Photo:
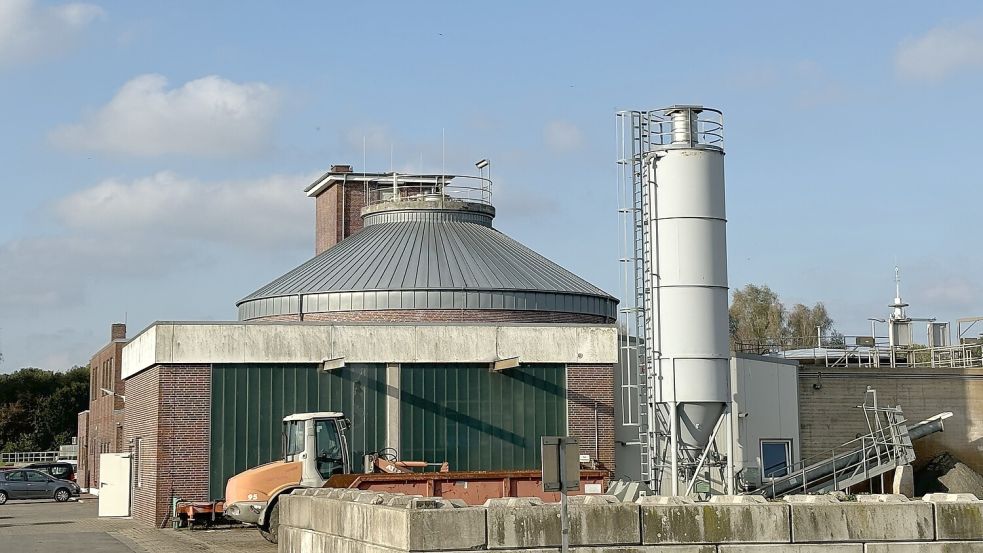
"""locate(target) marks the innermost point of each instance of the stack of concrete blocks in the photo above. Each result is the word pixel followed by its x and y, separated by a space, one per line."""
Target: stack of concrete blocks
pixel 349 521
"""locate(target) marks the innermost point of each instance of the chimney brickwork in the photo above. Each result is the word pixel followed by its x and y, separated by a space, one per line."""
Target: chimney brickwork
pixel 338 211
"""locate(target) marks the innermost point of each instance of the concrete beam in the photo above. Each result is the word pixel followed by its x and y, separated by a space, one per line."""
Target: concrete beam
pixel 313 342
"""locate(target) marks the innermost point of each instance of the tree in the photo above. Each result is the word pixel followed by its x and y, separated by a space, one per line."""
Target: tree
pixel 760 322
pixel 757 316
pixel 39 409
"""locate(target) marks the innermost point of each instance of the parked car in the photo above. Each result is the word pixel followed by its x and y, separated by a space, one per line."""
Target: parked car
pixel 34 484
pixel 58 469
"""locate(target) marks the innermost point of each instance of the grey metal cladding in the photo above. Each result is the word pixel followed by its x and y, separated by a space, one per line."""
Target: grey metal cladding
pixel 420 255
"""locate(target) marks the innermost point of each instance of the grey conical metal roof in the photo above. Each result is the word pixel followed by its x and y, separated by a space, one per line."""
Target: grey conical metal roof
pixel 428 259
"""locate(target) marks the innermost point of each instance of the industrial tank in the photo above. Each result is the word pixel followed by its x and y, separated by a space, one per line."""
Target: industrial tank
pixel 689 269
pixel 675 270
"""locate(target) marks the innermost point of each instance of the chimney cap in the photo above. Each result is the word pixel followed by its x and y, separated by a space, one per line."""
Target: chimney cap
pixel 341 168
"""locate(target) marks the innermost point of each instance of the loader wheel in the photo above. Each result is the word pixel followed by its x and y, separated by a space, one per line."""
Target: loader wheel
pixel 272 529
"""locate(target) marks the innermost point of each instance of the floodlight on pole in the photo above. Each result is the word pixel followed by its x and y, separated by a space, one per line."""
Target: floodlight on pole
pixel 112 393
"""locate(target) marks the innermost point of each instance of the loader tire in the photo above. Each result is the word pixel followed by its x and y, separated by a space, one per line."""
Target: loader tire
pixel 271 530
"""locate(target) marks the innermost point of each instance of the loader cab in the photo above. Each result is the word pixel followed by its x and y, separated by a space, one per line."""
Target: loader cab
pixel 317 441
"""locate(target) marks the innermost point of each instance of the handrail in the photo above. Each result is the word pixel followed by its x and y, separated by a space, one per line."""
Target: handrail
pixel 410 187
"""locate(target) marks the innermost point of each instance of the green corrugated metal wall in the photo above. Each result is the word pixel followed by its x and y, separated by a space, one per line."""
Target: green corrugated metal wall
pixel 480 420
pixel 249 402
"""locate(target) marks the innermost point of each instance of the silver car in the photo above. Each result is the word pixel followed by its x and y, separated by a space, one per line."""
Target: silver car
pixel 34 484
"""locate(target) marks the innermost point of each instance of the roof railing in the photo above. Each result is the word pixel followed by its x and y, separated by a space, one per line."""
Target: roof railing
pixel 428 188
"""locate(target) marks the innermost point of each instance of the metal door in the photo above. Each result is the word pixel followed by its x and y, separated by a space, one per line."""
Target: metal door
pixel 114 485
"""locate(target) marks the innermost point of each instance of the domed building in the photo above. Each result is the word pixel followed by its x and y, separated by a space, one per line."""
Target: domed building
pixel 437 335
pixel 425 251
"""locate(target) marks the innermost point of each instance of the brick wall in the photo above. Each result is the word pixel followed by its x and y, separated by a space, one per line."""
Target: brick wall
pixel 445 316
pixel 104 432
pixel 828 416
pixel 82 474
pixel 140 423
pixel 591 387
pixel 168 412
pixel 338 214
pixel 185 429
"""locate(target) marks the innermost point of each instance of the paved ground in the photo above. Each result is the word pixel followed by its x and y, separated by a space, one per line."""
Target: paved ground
pixel 47 526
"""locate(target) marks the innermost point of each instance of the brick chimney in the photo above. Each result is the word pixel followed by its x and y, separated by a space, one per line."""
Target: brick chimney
pixel 117 332
pixel 338 207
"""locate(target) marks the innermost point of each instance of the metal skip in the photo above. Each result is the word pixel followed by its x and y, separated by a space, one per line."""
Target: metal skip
pixel 561 473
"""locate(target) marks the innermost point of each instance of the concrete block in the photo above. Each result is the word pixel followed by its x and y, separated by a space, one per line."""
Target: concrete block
pixel 934 547
pixel 370 499
pixel 811 499
pixel 860 522
pixel 664 500
pixel 597 499
pixel 882 498
pixel 950 498
pixel 903 482
pixel 513 502
pixel 519 527
pixel 793 548
pixel 739 499
pixel 409 528
pixel 714 523
pixel 295 511
pixel 959 520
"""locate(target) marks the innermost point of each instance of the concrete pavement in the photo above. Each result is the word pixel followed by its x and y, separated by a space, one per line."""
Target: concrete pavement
pixel 74 527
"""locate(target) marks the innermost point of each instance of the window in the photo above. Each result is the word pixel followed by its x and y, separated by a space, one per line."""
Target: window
pixel 330 458
pixel 295 437
pixel 35 476
pixel 137 454
pixel 16 476
pixel 776 458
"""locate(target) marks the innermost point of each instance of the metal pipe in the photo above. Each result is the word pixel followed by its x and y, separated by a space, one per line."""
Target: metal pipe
pixel 858 456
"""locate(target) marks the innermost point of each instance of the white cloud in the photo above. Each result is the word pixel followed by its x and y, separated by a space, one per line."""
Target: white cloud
pixel 941 52
pixel 29 32
pixel 207 117
pixel 563 136
pixel 150 227
pixel 265 213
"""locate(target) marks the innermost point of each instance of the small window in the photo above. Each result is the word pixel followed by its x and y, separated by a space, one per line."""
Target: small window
pixel 137 454
pixel 776 458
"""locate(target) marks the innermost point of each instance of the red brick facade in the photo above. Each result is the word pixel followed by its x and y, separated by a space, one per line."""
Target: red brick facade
pixel 167 431
pixel 338 214
pixel 445 316
pixel 590 391
pixel 101 431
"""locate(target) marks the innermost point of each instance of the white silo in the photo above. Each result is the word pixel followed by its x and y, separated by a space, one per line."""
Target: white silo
pixel 680 290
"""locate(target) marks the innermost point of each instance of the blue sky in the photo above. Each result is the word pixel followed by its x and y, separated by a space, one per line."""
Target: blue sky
pixel 154 155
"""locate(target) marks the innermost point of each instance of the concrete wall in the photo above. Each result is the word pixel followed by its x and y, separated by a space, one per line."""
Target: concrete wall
pixel 829 417
pixel 309 342
pixel 766 398
pixel 324 520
